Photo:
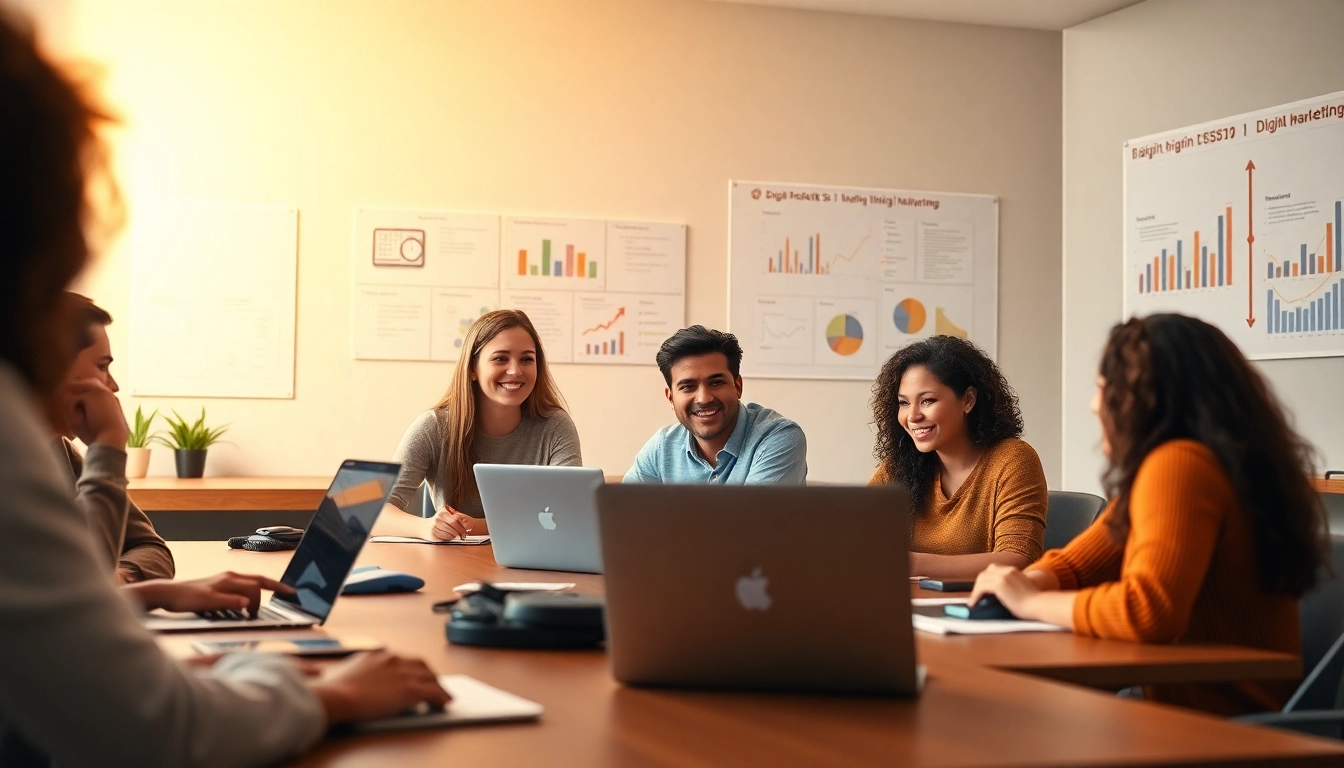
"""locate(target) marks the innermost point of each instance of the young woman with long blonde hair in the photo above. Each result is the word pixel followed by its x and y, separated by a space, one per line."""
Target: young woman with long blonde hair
pixel 502 407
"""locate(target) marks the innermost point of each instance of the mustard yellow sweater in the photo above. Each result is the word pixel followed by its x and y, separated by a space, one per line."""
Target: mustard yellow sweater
pixel 1000 507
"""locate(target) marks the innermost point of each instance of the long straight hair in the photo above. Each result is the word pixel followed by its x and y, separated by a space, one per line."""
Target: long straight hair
pixel 1169 377
pixel 460 400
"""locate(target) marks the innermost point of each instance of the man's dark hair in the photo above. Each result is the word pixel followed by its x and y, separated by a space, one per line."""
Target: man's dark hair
pixel 85 314
pixel 698 340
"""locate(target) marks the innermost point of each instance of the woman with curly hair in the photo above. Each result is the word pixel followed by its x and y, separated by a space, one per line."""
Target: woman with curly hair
pixel 1213 531
pixel 948 428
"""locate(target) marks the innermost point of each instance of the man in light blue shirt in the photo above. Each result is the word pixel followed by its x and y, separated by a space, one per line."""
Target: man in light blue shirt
pixel 719 438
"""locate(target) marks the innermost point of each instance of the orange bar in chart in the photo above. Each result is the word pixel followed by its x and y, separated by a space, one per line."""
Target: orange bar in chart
pixel 1227 249
pixel 522 262
pixel 569 261
pixel 1320 265
pixel 1171 275
pixel 1294 270
pixel 1198 263
pixel 622 343
pixel 583 271
pixel 1157 275
pixel 1194 255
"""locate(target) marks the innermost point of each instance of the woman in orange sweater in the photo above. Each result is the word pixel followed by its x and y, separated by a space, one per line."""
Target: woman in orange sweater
pixel 948 428
pixel 1213 531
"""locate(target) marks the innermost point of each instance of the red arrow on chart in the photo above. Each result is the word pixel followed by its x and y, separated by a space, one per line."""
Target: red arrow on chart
pixel 1250 246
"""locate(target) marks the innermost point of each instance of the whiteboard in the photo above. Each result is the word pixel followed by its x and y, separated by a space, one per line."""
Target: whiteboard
pixel 1237 221
pixel 213 300
pixel 827 282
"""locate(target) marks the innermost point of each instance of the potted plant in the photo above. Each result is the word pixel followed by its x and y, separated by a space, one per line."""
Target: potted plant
pixel 190 442
pixel 137 444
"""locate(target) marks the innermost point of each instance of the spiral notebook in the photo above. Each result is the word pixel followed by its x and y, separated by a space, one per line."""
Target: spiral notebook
pixel 473 702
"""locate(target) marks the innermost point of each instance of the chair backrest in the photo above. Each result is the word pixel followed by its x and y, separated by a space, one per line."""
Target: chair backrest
pixel 420 503
pixel 1069 514
pixel 1322 612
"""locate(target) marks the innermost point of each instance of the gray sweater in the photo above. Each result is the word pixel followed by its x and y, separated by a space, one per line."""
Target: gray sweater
pixel 550 441
pixel 81 680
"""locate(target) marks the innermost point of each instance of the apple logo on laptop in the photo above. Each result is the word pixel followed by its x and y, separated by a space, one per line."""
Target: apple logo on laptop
pixel 751 591
pixel 547 519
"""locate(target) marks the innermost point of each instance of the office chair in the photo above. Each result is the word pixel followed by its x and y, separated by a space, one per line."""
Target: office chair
pixel 1069 514
pixel 420 503
pixel 1317 706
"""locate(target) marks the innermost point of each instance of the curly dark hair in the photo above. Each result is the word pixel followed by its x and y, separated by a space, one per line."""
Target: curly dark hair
pixel 1169 377
pixel 959 365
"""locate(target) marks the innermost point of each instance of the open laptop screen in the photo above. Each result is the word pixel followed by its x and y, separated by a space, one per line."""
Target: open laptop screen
pixel 336 534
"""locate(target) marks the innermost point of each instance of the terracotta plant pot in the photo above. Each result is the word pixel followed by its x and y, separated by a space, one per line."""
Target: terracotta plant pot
pixel 137 462
pixel 190 463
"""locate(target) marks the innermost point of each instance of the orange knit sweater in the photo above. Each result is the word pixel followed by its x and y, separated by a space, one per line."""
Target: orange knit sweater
pixel 1185 574
pixel 1000 507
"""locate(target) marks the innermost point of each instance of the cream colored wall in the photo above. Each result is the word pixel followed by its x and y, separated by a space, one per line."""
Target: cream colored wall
pixel 621 109
pixel 1149 68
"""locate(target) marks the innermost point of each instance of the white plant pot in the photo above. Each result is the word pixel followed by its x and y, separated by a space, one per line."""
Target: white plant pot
pixel 137 462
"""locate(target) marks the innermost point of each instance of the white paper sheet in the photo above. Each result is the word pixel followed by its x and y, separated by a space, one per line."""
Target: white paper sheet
pixel 213 300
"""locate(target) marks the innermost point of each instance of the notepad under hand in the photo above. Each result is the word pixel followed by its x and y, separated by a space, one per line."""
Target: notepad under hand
pixel 473 702
pixel 928 616
pixel 482 539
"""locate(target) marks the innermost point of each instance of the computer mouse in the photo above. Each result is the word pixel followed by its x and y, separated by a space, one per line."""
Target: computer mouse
pixel 372 580
pixel 987 607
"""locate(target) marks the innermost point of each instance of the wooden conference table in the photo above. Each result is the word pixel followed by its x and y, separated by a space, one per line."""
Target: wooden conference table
pixel 973 711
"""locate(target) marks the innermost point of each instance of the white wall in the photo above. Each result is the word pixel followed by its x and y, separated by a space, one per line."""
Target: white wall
pixel 610 109
pixel 1153 67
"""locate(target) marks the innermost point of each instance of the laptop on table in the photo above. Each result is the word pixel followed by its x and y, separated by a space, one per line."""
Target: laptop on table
pixel 737 587
pixel 542 517
pixel 320 565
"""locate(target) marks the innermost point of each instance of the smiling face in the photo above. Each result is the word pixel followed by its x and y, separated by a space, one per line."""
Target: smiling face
pixel 705 395
pixel 506 369
pixel 931 412
pixel 95 360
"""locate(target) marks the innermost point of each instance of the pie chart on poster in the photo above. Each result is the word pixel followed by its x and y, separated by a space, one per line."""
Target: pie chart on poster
pixel 909 316
pixel 844 334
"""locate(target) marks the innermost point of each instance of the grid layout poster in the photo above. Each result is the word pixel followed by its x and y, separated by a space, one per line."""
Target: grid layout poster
pixel 828 282
pixel 1237 221
pixel 597 291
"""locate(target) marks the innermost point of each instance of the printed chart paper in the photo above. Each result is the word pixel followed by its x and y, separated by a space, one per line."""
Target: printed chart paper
pixel 598 292
pixel 828 282
pixel 1237 221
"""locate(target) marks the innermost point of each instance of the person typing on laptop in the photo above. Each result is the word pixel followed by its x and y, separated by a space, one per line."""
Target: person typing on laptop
pixel 86 406
pixel 502 407
pixel 718 438
pixel 82 683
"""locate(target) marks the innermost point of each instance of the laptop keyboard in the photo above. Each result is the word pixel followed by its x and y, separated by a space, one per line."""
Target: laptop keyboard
pixel 228 615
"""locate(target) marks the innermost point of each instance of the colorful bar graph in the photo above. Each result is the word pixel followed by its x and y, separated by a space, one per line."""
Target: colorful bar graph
pixel 792 261
pixel 614 347
pixel 574 264
pixel 1208 267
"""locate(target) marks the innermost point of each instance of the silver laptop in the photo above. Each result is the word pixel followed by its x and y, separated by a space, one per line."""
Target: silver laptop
pixel 759 587
pixel 321 563
pixel 542 517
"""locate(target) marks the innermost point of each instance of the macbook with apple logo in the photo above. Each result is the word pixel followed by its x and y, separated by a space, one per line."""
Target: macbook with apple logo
pixel 759 587
pixel 543 518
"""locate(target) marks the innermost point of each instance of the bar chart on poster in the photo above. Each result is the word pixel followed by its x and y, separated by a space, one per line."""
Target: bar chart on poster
pixel 1237 221
pixel 597 291
pixel 828 282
